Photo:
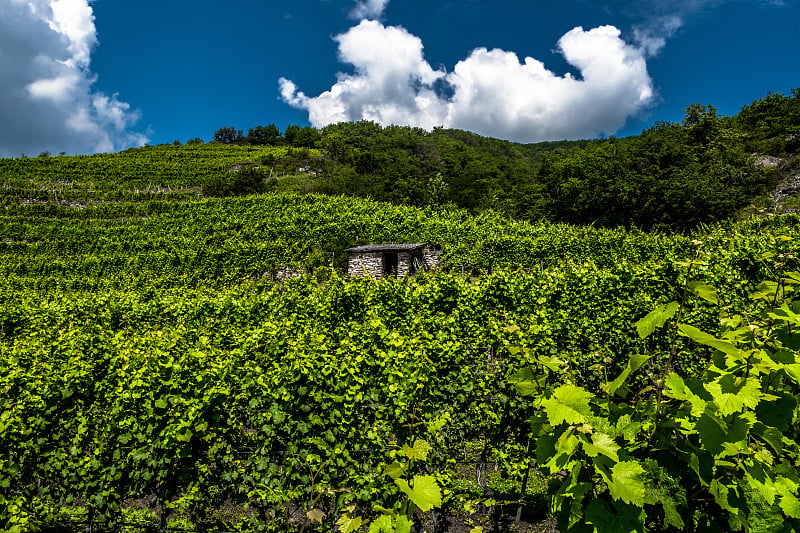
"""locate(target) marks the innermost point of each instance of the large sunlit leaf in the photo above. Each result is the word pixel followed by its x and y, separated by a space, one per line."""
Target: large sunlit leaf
pixel 627 483
pixel 634 363
pixel 602 444
pixel 382 524
pixel 656 318
pixel 704 291
pixel 706 339
pixel 424 492
pixel 732 394
pixel 418 452
pixel 569 404
pixel 348 524
pixel 675 387
pixel 789 493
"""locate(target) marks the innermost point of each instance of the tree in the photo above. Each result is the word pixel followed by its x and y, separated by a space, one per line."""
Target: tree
pixel 237 183
pixel 702 123
pixel 301 136
pixel 228 135
pixel 268 135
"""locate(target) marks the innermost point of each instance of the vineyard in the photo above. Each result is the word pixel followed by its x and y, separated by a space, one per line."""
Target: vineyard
pixel 135 175
pixel 153 370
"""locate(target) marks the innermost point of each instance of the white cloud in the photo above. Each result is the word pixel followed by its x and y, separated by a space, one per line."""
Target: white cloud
pixel 491 92
pixel 47 102
pixel 369 9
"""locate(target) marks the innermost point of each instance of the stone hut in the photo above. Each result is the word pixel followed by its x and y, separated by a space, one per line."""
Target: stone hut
pixel 379 260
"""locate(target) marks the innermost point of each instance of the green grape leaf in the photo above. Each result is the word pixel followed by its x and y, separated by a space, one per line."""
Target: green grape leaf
pixel 315 515
pixel 771 436
pixel 524 381
pixel 602 444
pixel 395 470
pixel 554 364
pixel 564 448
pixel 578 494
pixel 672 516
pixel 712 432
pixel 675 387
pixel 425 492
pixel 435 425
pixel 634 363
pixel 348 524
pixel 706 292
pixel 722 495
pixel 762 481
pixel 382 524
pixel 403 524
pixel 786 314
pixel 627 519
pixel 665 490
pixel 627 483
pixel 789 502
pixel 656 318
pixel 569 404
pixel 628 428
pixel 701 337
pixel 778 412
pixel 732 394
pixel 417 452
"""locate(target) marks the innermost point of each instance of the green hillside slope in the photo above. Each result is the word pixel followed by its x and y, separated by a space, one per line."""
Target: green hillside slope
pixel 672 176
pixel 154 370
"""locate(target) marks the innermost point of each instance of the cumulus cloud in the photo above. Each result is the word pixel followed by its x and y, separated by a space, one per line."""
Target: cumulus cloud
pixel 369 9
pixel 491 92
pixel 47 102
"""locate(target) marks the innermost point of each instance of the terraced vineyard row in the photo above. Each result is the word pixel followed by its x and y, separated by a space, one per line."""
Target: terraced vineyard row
pixel 138 174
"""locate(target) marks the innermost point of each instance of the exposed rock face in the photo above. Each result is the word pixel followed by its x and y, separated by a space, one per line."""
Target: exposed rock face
pixel 786 188
pixel 768 161
pixel 788 176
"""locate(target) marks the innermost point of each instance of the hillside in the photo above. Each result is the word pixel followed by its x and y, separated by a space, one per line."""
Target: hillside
pixel 672 176
pixel 156 372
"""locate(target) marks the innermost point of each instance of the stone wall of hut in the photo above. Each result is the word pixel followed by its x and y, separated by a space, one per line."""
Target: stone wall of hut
pixel 430 257
pixel 365 264
pixel 373 264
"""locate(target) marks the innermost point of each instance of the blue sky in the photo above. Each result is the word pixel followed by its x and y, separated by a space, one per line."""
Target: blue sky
pixel 83 76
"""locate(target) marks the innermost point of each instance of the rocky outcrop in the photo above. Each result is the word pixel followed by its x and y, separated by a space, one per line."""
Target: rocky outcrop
pixel 768 161
pixel 787 188
pixel 787 170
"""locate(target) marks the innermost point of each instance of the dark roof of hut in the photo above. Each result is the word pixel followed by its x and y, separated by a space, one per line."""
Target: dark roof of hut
pixel 375 248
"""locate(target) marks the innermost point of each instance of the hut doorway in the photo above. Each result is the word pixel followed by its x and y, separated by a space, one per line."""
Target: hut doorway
pixel 390 264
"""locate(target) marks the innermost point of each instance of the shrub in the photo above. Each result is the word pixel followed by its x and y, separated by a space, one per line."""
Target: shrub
pixel 249 180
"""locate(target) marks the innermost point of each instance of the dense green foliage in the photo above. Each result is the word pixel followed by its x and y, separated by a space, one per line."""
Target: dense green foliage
pixel 152 362
pixel 143 355
pixel 718 451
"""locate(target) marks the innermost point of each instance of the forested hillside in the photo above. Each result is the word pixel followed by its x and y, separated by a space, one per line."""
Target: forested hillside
pixel 672 176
